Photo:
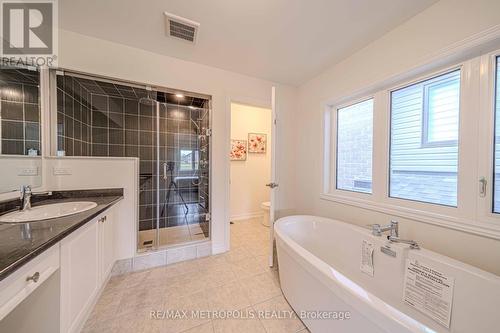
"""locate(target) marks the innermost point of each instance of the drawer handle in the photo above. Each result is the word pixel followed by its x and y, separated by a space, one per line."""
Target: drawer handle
pixel 34 277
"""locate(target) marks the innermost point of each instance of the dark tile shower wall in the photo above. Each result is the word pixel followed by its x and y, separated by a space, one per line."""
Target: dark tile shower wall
pixel 73 117
pixel 117 125
pixel 113 124
pixel 19 111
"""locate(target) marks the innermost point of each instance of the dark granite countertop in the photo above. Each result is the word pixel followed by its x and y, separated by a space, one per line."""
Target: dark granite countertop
pixel 17 246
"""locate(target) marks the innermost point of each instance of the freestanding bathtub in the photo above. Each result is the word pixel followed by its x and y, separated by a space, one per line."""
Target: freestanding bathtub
pixel 319 268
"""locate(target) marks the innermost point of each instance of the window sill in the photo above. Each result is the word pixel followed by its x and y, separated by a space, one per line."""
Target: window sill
pixel 484 229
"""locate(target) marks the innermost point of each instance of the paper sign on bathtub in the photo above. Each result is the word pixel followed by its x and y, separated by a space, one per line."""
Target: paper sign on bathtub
pixel 367 257
pixel 428 291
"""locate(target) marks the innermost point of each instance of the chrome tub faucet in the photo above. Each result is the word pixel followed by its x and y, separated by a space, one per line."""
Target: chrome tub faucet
pixel 412 243
pixel 377 229
pixel 393 236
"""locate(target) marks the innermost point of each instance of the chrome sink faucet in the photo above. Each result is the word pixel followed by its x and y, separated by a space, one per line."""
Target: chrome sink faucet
pixel 377 229
pixel 25 197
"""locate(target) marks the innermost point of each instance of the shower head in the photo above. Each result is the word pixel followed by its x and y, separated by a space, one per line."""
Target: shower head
pixel 148 100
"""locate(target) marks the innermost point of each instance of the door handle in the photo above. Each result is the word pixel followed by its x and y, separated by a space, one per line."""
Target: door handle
pixel 165 170
pixel 272 185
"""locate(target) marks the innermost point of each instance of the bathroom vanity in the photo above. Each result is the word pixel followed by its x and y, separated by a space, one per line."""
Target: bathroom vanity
pixel 52 270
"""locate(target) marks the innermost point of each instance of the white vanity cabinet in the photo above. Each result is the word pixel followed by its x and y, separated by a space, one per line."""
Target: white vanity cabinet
pixel 29 297
pixel 106 244
pixel 87 256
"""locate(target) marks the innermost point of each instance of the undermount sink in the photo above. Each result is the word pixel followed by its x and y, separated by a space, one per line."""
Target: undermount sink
pixel 46 212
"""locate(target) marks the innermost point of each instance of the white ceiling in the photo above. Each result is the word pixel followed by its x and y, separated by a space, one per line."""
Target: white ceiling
pixel 288 41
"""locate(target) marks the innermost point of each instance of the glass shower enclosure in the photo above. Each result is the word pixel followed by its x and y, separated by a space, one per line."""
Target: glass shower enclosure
pixel 168 130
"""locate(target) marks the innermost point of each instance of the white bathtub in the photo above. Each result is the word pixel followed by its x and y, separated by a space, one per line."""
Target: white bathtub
pixel 319 268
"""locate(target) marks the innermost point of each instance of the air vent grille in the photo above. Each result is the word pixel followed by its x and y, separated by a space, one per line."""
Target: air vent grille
pixel 182 31
pixel 180 27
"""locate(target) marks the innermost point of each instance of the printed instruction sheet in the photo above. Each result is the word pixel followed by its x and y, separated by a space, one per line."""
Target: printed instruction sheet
pixel 428 291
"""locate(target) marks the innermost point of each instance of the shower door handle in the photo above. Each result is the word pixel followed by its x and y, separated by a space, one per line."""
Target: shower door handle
pixel 165 170
pixel 272 185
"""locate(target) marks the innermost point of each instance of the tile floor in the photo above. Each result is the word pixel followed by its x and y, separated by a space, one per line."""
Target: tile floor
pixel 239 280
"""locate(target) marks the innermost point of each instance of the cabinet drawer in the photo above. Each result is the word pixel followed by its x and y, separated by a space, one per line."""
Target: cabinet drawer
pixel 20 284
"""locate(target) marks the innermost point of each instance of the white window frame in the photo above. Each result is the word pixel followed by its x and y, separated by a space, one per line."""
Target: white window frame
pixel 486 166
pixel 335 117
pixel 476 127
pixel 330 157
pixel 464 82
pixel 425 142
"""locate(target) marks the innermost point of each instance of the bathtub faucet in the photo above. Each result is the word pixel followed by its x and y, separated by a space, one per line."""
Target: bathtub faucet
pixel 377 229
pixel 412 243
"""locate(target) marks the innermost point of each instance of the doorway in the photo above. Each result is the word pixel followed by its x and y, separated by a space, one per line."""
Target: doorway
pixel 250 172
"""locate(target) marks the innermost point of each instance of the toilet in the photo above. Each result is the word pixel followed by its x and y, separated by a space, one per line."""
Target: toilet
pixel 265 218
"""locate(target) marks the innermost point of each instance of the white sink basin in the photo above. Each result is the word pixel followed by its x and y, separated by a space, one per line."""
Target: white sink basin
pixel 46 212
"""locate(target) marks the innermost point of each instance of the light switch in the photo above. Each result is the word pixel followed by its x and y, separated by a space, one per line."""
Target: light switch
pixel 62 171
pixel 29 171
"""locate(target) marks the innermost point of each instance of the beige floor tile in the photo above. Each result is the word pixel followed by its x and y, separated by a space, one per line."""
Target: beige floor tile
pixel 248 267
pixel 109 326
pixel 238 254
pixel 190 304
pixel 227 297
pixel 248 322
pixel 130 323
pixel 278 325
pixel 218 276
pixel 203 328
pixel 260 287
pixel 182 267
pixel 229 281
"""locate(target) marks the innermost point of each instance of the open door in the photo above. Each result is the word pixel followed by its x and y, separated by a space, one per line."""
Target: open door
pixel 273 184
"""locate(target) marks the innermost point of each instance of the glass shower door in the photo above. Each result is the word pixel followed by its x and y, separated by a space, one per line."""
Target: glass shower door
pixel 183 170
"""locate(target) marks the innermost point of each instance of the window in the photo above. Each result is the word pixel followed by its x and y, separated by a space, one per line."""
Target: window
pixel 424 140
pixel 441 105
pixel 189 160
pixel 496 176
pixel 354 147
pixel 421 131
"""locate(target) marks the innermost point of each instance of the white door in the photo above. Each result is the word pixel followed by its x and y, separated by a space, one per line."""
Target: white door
pixel 273 184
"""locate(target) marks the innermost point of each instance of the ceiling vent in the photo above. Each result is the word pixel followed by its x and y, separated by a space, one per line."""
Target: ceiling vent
pixel 180 27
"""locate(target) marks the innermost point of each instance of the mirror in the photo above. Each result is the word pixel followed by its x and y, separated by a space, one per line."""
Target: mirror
pixel 20 128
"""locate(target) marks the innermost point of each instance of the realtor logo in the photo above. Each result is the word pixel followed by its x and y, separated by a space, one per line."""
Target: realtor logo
pixel 29 31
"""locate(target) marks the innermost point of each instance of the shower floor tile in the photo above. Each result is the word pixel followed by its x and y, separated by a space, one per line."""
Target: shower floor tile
pixel 238 280
pixel 172 235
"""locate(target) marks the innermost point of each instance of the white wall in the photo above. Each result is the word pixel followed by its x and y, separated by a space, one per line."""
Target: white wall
pixel 412 44
pixel 248 178
pixel 100 172
pixel 13 168
pixel 82 53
